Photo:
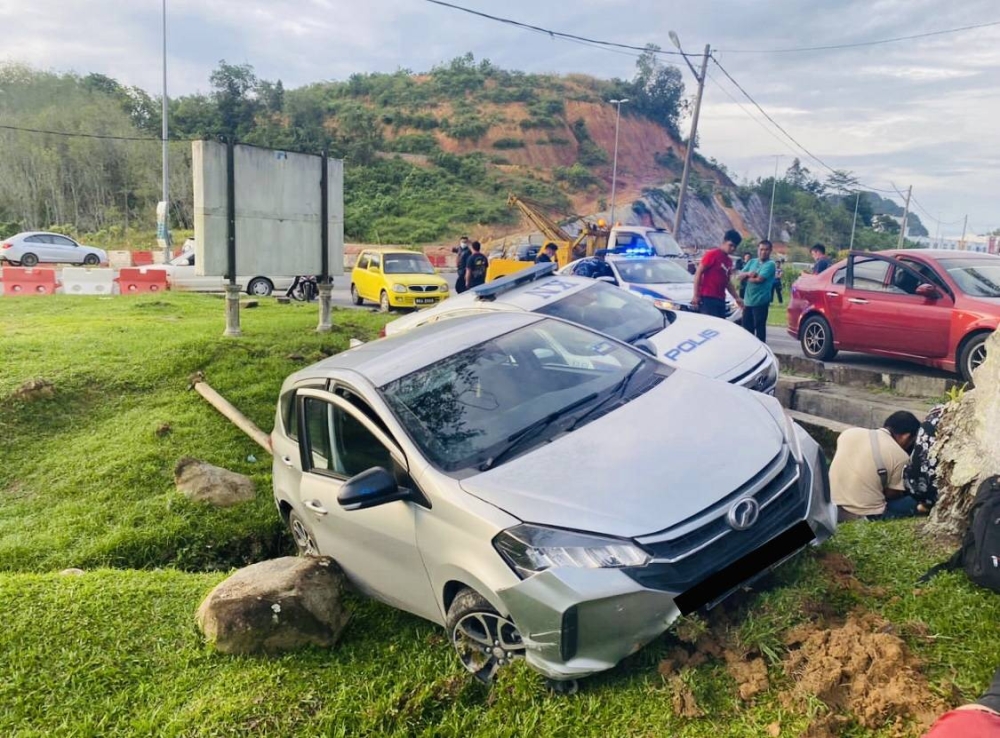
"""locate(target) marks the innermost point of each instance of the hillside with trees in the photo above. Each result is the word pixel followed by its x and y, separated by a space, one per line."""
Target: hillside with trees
pixel 426 154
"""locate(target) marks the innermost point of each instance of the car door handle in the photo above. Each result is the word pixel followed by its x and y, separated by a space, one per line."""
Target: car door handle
pixel 833 294
pixel 287 461
pixel 315 507
pixel 857 301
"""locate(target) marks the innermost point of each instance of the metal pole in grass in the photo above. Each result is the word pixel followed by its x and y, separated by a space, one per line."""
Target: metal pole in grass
pixel 232 289
pixel 325 283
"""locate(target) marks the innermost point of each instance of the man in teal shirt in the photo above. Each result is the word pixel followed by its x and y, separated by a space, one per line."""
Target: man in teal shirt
pixel 759 276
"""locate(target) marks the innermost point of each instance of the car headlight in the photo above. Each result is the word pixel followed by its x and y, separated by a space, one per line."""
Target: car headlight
pixel 792 433
pixel 663 303
pixel 444 288
pixel 399 288
pixel 530 549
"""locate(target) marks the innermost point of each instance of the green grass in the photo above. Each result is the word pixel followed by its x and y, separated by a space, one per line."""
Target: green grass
pixel 86 481
pixel 778 314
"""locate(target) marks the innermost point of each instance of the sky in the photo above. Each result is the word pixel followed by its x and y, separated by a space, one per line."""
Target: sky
pixel 922 112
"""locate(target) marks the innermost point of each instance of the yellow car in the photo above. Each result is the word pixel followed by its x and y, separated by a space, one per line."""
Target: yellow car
pixel 396 279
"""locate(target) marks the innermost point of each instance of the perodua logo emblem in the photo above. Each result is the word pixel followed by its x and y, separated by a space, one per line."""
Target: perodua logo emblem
pixel 743 513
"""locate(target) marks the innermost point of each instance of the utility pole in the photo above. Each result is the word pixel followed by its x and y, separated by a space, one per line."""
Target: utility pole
pixel 965 227
pixel 614 167
pixel 693 136
pixel 774 185
pixel 855 222
pixel 165 234
pixel 906 215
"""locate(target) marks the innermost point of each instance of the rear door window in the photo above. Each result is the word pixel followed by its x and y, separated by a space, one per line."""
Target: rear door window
pixel 870 275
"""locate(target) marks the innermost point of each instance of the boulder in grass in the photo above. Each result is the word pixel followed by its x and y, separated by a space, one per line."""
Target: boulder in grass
pixel 275 606
pixel 204 482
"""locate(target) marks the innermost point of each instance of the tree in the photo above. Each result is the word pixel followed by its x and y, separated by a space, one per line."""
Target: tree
pixel 235 95
pixel 885 224
pixel 657 90
pixel 841 181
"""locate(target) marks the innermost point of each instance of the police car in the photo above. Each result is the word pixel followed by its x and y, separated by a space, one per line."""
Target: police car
pixel 666 282
pixel 698 343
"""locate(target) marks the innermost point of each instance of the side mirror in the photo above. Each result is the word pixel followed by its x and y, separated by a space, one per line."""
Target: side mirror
pixel 609 280
pixel 372 268
pixel 928 291
pixel 370 488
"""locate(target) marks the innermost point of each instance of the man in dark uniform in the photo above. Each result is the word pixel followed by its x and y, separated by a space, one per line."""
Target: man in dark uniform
pixel 594 266
pixel 547 255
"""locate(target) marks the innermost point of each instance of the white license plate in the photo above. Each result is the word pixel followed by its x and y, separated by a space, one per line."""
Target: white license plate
pixel 424 300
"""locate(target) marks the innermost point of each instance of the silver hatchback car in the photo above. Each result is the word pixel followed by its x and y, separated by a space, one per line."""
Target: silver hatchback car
pixel 34 247
pixel 519 480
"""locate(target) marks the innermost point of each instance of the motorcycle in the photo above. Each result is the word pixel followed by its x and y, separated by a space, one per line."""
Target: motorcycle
pixel 304 288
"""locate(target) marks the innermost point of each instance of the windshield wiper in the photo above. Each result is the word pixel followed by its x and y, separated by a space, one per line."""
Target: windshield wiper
pixel 515 440
pixel 617 393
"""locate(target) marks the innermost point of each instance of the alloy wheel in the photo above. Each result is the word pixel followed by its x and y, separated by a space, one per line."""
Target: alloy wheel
pixel 815 338
pixel 303 538
pixel 485 641
pixel 977 357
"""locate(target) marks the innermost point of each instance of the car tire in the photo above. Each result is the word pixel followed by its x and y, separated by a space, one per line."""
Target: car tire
pixel 816 338
pixel 484 639
pixel 91 260
pixel 260 287
pixel 383 302
pixel 355 295
pixel 305 542
pixel 971 354
pixel 29 260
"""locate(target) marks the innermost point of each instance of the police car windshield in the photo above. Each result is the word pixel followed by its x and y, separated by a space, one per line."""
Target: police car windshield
pixel 610 310
pixel 652 271
pixel 469 408
pixel 407 264
pixel 664 244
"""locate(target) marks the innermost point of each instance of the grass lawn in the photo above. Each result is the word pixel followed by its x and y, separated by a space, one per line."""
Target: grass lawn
pixel 86 481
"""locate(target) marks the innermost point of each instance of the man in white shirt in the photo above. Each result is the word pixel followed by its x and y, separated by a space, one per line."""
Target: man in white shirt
pixel 866 475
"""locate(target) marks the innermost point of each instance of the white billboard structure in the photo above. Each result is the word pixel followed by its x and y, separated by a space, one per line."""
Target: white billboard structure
pixel 278 209
pixel 264 210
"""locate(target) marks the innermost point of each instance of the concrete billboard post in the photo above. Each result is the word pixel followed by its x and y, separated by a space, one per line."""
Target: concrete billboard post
pixel 263 211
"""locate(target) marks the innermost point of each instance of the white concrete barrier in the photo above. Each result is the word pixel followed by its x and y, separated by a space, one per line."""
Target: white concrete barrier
pixel 84 281
pixel 119 259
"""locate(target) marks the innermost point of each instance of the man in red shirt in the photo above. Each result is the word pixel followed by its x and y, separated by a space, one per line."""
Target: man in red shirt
pixel 711 279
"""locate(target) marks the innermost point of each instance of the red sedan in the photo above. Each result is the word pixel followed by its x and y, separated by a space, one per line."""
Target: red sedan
pixel 935 308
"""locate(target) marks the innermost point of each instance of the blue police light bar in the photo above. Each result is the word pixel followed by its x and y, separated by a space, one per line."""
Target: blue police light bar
pixel 511 281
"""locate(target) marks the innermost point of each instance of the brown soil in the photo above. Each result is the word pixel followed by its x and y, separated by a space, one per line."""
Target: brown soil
pixel 861 671
pixel 34 389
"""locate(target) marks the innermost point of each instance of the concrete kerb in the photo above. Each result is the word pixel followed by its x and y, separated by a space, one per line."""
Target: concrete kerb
pixel 908 385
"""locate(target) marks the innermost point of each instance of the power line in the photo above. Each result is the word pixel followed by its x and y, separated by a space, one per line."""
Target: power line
pixel 549 32
pixel 750 115
pixel 70 134
pixel 859 44
pixel 786 133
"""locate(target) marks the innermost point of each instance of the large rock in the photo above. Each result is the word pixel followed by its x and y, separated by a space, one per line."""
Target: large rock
pixel 967 446
pixel 278 605
pixel 203 482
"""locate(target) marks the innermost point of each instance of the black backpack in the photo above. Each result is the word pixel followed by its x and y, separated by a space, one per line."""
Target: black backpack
pixel 979 554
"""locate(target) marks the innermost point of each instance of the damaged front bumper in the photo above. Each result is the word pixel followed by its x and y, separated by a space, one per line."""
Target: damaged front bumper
pixel 577 622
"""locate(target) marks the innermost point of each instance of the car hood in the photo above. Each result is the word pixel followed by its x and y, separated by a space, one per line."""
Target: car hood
pixel 646 466
pixel 679 291
pixel 409 279
pixel 710 346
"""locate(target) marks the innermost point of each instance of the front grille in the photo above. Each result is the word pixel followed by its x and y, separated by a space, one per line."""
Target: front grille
pixel 686 558
pixel 423 288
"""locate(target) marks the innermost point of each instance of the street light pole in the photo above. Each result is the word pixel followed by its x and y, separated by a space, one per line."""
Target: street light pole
pixel 679 215
pixel 614 167
pixel 857 201
pixel 774 185
pixel 166 174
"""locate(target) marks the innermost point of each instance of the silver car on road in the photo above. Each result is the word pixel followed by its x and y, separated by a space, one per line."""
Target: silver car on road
pixel 35 247
pixel 536 508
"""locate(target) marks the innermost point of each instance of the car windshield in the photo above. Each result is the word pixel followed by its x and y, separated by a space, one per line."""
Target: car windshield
pixel 530 384
pixel 664 244
pixel 652 271
pixel 974 277
pixel 610 310
pixel 406 264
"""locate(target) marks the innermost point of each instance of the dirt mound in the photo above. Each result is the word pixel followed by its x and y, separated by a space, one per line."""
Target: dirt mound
pixel 863 672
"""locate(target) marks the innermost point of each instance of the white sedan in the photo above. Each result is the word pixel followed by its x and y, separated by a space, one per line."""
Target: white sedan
pixel 698 343
pixel 665 281
pixel 181 275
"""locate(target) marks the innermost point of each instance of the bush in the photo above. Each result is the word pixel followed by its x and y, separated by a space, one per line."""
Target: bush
pixel 508 143
pixel 414 143
pixel 577 177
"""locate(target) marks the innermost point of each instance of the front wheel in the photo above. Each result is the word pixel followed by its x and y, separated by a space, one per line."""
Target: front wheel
pixel 355 295
pixel 305 543
pixel 817 339
pixel 971 355
pixel 484 639
pixel 260 287
pixel 91 260
pixel 383 302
